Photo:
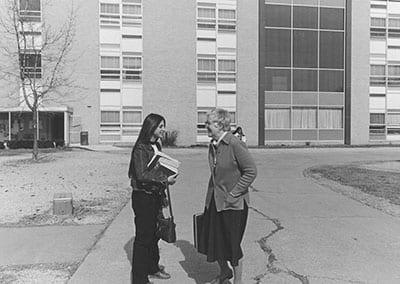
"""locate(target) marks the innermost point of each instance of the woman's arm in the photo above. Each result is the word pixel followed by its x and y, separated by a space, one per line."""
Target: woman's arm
pixel 141 158
pixel 247 167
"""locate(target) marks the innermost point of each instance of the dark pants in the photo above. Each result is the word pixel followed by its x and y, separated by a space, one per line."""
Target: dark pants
pixel 145 247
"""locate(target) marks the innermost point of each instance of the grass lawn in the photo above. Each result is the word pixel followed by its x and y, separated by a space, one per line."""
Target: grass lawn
pixel 378 183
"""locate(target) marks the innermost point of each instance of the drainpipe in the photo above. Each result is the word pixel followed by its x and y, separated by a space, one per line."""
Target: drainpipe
pixel 66 128
pixel 9 125
pixel 37 126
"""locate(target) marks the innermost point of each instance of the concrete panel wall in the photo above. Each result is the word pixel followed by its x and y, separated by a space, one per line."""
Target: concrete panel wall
pixel 83 63
pixel 358 102
pixel 247 71
pixel 169 64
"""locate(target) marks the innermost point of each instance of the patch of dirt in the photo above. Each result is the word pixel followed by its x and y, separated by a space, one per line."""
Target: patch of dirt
pixel 58 273
pixel 97 181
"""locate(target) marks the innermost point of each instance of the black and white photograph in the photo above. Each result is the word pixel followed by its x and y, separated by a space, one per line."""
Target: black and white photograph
pixel 199 141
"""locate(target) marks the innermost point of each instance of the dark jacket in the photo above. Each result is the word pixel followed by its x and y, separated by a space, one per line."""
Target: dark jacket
pixel 143 179
pixel 232 171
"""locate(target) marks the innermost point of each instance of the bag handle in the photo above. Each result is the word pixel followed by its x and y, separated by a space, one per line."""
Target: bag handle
pixel 169 201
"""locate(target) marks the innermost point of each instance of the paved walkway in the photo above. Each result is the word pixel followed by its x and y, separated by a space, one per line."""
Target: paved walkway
pixel 298 231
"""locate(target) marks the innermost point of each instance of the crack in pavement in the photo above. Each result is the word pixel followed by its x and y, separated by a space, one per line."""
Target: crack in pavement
pixel 273 265
pixel 338 279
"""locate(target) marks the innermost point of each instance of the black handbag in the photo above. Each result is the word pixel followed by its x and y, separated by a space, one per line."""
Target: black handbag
pixel 165 225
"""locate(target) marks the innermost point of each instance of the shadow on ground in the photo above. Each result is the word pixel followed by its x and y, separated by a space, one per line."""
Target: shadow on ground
pixel 194 264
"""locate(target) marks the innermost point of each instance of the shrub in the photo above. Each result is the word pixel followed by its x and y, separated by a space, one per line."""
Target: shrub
pixel 170 138
pixel 28 144
pixel 1 145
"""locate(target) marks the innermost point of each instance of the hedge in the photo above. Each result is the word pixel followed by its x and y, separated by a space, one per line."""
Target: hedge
pixel 28 144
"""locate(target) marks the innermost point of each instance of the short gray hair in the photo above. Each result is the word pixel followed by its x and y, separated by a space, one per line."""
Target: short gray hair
pixel 221 116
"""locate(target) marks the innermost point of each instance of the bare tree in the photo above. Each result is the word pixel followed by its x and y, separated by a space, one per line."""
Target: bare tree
pixel 39 55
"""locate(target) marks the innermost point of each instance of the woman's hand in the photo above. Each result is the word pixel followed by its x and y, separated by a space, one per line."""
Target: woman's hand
pixel 172 179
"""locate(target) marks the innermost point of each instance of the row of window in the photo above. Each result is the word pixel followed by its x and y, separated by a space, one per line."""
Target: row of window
pixel 207 18
pixel 378 75
pixel 131 68
pixel 304 49
pixel 324 3
pixel 304 80
pixel 129 11
pixel 207 67
pixel 304 118
pixel 304 17
pixel 125 117
pixel 380 118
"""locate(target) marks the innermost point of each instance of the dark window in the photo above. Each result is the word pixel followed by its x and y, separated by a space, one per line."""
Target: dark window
pixel 331 50
pixel 304 80
pixel 278 16
pixel 29 5
pixel 305 17
pixel 331 81
pixel 332 19
pixel 31 65
pixel 305 49
pixel 277 80
pixel 278 47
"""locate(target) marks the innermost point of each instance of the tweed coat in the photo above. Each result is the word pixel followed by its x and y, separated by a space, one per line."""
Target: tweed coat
pixel 232 172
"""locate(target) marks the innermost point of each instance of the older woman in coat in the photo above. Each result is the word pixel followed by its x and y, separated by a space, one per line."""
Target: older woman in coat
pixel 226 209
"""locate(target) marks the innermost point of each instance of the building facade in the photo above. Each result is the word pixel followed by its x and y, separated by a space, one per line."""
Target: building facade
pixel 288 71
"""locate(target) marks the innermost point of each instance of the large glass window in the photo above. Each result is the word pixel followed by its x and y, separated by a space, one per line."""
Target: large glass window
pixel 304 80
pixel 278 49
pixel 305 48
pixel 331 50
pixel 304 117
pixel 277 118
pixel 278 16
pixel 330 118
pixel 331 81
pixel 332 19
pixel 278 80
pixel 305 17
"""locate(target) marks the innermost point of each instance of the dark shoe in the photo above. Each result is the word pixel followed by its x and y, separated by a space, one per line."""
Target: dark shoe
pixel 221 279
pixel 160 275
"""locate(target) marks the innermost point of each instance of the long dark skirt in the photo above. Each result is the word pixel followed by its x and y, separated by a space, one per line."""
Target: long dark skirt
pixel 221 234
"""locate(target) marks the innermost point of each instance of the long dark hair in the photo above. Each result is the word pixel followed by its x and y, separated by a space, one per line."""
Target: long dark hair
pixel 150 124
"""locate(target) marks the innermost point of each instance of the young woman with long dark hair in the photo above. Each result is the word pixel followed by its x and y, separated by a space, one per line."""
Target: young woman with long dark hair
pixel 148 187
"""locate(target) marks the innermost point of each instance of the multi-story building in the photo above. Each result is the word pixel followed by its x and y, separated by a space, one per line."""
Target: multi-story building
pixel 384 94
pixel 288 71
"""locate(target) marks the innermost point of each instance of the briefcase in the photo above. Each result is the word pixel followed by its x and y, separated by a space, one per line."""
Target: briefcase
pixel 197 227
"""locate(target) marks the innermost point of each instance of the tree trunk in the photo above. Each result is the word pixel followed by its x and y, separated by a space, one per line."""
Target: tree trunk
pixel 35 138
